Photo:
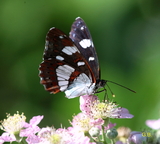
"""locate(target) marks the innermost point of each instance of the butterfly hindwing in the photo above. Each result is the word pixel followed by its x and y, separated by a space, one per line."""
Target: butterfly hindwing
pixel 64 68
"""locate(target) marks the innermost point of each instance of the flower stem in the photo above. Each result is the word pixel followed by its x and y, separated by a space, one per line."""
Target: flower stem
pixel 112 141
pixel 23 141
pixel 103 136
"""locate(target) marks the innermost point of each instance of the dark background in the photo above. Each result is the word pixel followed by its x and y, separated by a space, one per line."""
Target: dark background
pixel 126 35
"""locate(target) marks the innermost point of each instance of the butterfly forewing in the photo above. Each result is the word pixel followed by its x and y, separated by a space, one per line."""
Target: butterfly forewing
pixel 64 68
pixel 81 36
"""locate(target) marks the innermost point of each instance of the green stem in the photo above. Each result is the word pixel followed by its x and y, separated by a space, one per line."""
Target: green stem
pixel 112 141
pixel 103 136
pixel 23 141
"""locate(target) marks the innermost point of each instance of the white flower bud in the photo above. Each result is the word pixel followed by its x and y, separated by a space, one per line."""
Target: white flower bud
pixel 94 132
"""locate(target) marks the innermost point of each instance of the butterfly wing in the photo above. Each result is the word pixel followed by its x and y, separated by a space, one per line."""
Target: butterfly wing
pixel 64 68
pixel 81 36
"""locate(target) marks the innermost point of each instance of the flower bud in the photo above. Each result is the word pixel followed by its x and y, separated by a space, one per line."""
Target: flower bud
pixel 111 133
pixel 94 132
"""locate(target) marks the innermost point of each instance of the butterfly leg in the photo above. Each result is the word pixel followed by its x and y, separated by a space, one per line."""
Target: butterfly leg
pixel 105 95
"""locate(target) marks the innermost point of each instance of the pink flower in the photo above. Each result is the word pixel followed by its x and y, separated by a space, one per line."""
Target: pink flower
pixel 6 137
pixel 110 125
pixel 16 128
pixel 33 139
pixel 91 106
pixel 78 137
pixel 86 101
pixel 98 121
pixel 119 142
pixel 50 135
pixel 154 124
pixel 123 113
pixel 137 138
pixel 12 127
pixel 82 123
pixel 31 130
pixel 31 127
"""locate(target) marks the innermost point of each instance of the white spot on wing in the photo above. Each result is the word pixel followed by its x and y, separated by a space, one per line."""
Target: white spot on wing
pixel 63 88
pixel 49 58
pixel 80 86
pixel 69 68
pixel 82 28
pixel 59 58
pixel 46 45
pixel 47 42
pixel 65 69
pixel 80 63
pixel 73 35
pixel 61 37
pixel 65 77
pixel 91 58
pixel 85 43
pixel 63 73
pixel 70 50
pixel 52 28
pixel 66 51
pixel 62 83
pixel 92 44
pixel 59 78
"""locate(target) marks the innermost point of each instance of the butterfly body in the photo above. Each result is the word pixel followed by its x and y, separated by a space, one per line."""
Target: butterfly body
pixel 70 64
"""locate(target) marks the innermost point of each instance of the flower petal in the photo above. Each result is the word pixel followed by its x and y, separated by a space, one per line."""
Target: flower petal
pixel 36 120
pixel 154 124
pixel 124 113
pixel 86 101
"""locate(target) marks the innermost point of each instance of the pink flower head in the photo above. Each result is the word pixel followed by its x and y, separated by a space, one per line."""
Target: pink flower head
pixel 154 124
pixel 91 106
pixel 82 122
pixel 12 127
pixel 50 135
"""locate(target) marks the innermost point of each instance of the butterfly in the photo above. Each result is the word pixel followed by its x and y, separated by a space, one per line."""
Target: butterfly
pixel 70 63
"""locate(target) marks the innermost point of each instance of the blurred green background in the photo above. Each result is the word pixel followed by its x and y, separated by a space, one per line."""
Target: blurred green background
pixel 126 35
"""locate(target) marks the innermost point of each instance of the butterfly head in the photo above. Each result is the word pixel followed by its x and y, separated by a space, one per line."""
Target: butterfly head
pixel 100 84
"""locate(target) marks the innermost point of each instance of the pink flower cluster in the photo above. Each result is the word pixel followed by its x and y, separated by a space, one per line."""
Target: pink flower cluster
pixel 88 127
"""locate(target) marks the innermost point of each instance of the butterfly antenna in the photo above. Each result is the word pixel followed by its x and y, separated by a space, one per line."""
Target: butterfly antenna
pixel 111 91
pixel 119 85
pixel 105 96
